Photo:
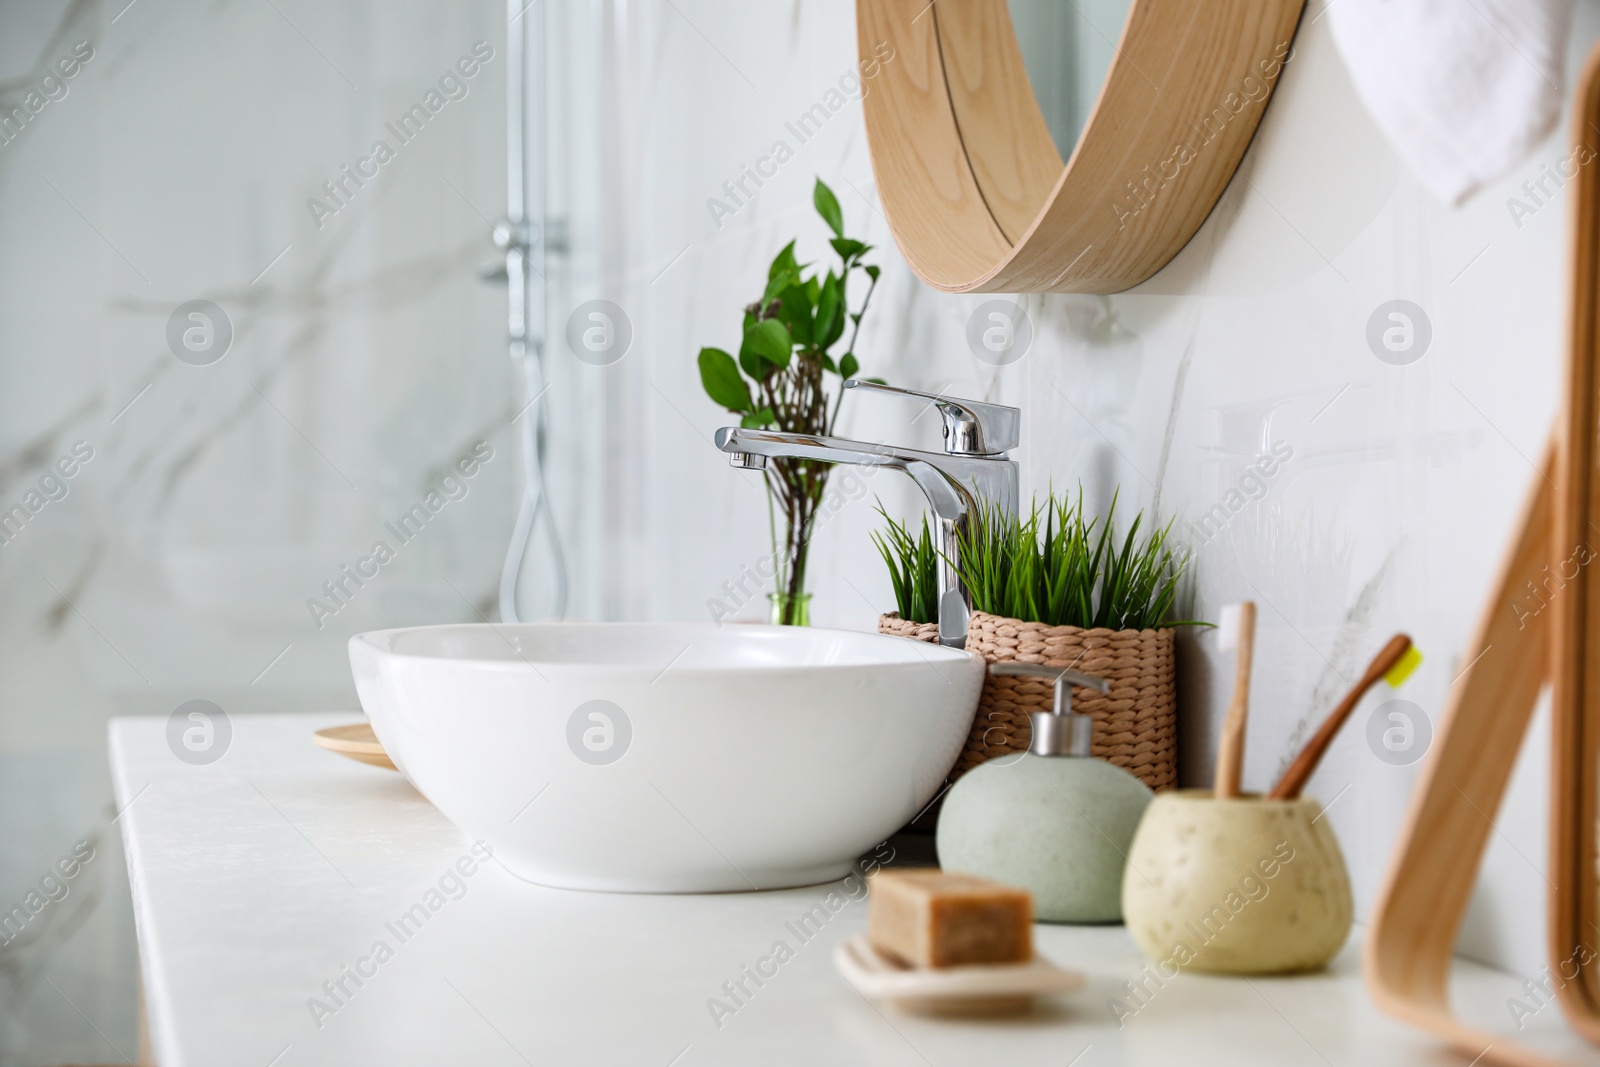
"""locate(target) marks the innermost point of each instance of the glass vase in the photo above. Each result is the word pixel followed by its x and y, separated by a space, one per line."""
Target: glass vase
pixel 790 609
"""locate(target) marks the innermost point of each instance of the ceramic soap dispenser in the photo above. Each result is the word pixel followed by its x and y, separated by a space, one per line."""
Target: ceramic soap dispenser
pixel 1055 820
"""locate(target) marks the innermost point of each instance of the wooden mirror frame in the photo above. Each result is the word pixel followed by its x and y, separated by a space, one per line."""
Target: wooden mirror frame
pixel 971 182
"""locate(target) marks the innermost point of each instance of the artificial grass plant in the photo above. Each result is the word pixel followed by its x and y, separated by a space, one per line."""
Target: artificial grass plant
pixel 1054 565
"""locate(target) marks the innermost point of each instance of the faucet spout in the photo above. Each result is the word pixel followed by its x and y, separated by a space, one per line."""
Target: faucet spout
pixel 773 443
pixel 954 485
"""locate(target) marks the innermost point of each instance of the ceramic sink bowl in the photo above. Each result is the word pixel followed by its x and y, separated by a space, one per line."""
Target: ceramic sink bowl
pixel 675 758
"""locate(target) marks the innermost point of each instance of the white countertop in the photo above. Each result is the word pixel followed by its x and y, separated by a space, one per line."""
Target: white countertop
pixel 260 877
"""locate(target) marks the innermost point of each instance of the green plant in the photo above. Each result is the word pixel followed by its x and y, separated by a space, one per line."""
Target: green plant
pixel 781 380
pixel 913 565
pixel 1054 565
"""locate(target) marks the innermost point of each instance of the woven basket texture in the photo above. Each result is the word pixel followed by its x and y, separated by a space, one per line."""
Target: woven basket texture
pixel 1135 724
pixel 893 625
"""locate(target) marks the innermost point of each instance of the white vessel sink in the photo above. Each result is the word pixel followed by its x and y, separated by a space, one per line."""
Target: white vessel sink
pixel 637 757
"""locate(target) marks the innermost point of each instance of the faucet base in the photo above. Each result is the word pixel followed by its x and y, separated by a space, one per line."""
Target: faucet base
pixel 953 614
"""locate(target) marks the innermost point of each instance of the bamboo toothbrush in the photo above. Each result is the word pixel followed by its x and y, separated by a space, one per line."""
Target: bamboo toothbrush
pixel 1394 664
pixel 1237 631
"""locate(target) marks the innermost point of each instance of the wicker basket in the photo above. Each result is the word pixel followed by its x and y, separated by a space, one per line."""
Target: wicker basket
pixel 1135 725
pixel 893 625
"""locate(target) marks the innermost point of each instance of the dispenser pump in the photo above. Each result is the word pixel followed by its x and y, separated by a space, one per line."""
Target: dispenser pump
pixel 1061 732
pixel 1069 823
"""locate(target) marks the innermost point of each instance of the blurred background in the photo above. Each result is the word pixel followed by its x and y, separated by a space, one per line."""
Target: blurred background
pixel 186 158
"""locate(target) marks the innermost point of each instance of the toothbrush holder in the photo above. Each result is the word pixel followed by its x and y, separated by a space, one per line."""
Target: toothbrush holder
pixel 1236 885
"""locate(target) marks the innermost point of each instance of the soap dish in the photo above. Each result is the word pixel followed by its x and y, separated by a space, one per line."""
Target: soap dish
pixel 357 742
pixel 978 989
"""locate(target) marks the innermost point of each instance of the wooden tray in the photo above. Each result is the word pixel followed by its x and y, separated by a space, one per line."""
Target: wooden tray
pixel 357 742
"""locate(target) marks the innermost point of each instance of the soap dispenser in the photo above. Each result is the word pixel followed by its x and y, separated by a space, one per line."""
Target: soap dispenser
pixel 1055 820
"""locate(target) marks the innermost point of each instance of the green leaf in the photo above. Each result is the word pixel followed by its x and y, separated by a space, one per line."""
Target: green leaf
pixel 849 247
pixel 872 271
pixel 794 311
pixel 828 207
pixel 776 284
pixel 761 418
pixel 827 363
pixel 837 329
pixel 784 262
pixel 766 342
pixel 722 380
pixel 848 365
pixel 830 313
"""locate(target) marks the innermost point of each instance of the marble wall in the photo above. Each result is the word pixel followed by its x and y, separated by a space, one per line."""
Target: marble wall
pixel 366 356
pixel 185 160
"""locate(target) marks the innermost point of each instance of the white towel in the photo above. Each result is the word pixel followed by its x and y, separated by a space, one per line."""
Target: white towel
pixel 1464 89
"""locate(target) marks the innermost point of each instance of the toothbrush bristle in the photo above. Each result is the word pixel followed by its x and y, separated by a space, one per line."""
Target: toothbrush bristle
pixel 1228 629
pixel 1403 669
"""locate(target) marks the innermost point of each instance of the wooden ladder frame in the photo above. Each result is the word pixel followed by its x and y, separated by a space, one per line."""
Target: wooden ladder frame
pixel 1423 900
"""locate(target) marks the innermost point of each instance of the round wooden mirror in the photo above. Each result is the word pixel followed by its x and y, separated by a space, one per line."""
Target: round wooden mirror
pixel 967 161
pixel 1067 50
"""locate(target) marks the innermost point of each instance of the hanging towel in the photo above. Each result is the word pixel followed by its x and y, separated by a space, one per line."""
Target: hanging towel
pixel 1464 89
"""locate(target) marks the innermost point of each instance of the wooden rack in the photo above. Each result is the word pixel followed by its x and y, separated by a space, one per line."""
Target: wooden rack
pixel 1424 897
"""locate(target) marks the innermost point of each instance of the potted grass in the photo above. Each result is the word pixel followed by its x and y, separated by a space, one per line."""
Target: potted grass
pixel 1059 588
pixel 912 561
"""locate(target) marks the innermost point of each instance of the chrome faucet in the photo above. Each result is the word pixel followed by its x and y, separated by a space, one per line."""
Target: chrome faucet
pixel 973 469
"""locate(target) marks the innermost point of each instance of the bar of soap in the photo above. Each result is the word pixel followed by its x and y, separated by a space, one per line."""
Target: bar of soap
pixel 927 918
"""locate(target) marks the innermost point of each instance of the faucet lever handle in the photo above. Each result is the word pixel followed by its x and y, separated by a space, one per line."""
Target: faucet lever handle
pixel 971 427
